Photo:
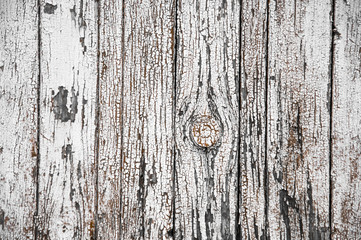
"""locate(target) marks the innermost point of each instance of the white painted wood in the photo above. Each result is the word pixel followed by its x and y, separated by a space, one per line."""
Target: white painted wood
pixel 147 159
pixel 298 119
pixel 130 90
pixel 18 117
pixel 110 118
pixel 67 108
pixel 252 93
pixel 346 113
pixel 207 81
pixel 135 124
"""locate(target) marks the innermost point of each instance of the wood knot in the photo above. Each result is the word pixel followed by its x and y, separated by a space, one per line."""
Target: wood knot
pixel 205 131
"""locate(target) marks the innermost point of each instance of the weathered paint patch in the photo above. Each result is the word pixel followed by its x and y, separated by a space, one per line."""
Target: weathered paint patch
pixel 226 218
pixel 50 8
pixel 60 108
pixel 287 201
pixel 73 13
pixel 66 152
pixel 2 218
pixel 313 229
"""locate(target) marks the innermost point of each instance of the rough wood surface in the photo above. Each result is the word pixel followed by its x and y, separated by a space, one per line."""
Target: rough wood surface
pixel 110 118
pixel 252 119
pixel 298 119
pixel 147 157
pixel 346 118
pixel 136 137
pixel 139 119
pixel 18 117
pixel 207 87
pixel 67 127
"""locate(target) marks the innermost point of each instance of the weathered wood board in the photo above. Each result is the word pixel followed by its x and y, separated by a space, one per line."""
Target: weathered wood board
pixel 18 117
pixel 147 149
pixel 139 119
pixel 136 137
pixel 68 74
pixel 298 119
pixel 252 121
pixel 109 120
pixel 346 122
pixel 206 119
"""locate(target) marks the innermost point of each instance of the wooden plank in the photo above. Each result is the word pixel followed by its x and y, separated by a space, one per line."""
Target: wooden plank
pixel 207 119
pixel 68 104
pixel 136 101
pixel 298 119
pixel 147 164
pixel 110 118
pixel 253 120
pixel 346 119
pixel 18 117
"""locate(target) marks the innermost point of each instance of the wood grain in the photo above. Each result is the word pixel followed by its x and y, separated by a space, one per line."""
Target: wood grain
pixel 207 83
pixel 18 117
pixel 139 119
pixel 346 119
pixel 136 137
pixel 253 202
pixel 299 119
pixel 110 118
pixel 67 127
pixel 147 158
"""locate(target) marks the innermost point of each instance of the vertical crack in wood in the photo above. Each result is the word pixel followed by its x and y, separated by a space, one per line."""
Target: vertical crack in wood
pixel 122 123
pixel 330 102
pixel 174 107
pixel 238 233
pixel 97 116
pixel 36 230
pixel 266 179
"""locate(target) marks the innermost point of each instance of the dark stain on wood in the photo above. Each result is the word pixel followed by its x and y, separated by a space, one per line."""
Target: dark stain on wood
pixel 60 108
pixel 73 13
pixel 66 152
pixel 225 211
pixel 287 202
pixel 278 177
pixel 50 8
pixel 314 231
pixel 141 192
pixel 34 149
pixel 84 102
pixel 2 218
pixel 92 230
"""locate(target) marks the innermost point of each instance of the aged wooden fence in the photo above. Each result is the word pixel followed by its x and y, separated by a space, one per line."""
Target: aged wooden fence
pixel 180 119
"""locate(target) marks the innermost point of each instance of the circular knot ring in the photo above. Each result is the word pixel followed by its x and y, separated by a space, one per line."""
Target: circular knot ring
pixel 205 131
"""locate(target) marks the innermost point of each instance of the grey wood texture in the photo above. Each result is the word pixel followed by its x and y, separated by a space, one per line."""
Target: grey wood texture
pixel 298 119
pixel 140 119
pixel 19 118
pixel 67 104
pixel 346 122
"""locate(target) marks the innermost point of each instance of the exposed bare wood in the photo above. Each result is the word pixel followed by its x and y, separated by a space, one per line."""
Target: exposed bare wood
pixel 346 118
pixel 18 117
pixel 68 95
pixel 253 120
pixel 298 119
pixel 207 87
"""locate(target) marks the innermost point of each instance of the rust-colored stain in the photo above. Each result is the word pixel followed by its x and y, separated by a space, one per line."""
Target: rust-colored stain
pixel 92 229
pixel 34 152
pixel 205 131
